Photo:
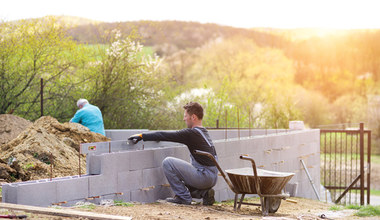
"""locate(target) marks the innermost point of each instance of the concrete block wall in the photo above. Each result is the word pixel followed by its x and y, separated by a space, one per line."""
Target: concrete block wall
pixel 137 175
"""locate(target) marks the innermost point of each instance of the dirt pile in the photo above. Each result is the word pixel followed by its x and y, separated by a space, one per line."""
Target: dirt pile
pixel 11 126
pixel 44 145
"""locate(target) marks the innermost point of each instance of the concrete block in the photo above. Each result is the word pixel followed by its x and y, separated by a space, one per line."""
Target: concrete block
pixel 144 196
pixel 129 180
pixel 220 147
pixel 93 164
pixel 182 153
pixel 125 197
pixel 72 189
pixel 220 184
pixel 161 153
pixel 217 134
pixel 109 163
pixel 153 177
pixel 37 194
pixel 223 195
pixel 122 145
pixel 102 184
pixel 123 161
pixel 123 134
pixel 231 162
pixel 9 193
pixel 95 148
pixel 140 160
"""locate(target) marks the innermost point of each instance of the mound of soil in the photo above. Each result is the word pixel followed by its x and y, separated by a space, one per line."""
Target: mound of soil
pixel 46 145
pixel 11 126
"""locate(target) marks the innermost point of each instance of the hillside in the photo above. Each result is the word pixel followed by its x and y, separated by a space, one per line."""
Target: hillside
pixel 177 34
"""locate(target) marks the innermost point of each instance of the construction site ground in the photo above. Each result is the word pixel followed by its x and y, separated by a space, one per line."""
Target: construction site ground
pixel 303 209
pixel 29 149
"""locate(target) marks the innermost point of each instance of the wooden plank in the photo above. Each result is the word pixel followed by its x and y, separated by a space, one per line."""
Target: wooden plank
pixel 62 212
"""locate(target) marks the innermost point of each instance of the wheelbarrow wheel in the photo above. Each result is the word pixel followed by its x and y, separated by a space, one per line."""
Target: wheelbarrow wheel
pixel 274 204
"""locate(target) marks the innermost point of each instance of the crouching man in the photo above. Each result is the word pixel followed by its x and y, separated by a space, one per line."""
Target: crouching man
pixel 188 180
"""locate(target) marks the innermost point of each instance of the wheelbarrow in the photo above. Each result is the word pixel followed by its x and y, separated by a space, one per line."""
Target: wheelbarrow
pixel 266 184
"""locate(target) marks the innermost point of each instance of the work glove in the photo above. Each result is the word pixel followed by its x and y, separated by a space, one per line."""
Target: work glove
pixel 135 138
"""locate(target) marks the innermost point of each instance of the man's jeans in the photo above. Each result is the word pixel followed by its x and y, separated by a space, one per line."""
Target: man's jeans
pixel 189 180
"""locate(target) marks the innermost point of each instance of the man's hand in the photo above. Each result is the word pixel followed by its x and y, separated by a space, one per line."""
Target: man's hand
pixel 135 138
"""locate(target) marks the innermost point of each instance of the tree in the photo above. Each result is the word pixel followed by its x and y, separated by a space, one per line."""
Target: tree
pixel 244 76
pixel 125 83
pixel 30 50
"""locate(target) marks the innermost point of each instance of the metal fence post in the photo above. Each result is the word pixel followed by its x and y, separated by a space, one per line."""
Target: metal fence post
pixel 361 163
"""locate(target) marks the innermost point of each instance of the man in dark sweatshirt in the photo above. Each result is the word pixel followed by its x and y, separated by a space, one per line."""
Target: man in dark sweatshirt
pixel 188 180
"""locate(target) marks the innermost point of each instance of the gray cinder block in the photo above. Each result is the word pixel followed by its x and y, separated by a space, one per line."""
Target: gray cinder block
pixel 122 161
pixel 153 177
pixel 182 152
pixel 9 193
pixel 72 189
pixel 37 194
pixel 102 184
pixel 93 164
pixel 129 180
pixel 145 196
pixel 161 153
pixel 143 159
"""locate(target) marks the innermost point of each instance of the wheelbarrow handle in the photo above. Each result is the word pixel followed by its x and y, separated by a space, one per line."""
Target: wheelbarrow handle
pixel 204 153
pixel 257 179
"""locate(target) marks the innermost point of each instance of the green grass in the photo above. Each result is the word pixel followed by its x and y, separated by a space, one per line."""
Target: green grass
pixel 121 203
pixel 375 192
pixel 357 207
pixel 369 210
pixel 363 211
pixel 336 208
pixel 89 206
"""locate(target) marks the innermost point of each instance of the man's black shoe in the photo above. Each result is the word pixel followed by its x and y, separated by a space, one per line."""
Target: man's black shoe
pixel 208 198
pixel 178 200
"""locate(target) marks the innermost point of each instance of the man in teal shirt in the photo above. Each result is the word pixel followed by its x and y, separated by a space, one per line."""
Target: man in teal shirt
pixel 90 116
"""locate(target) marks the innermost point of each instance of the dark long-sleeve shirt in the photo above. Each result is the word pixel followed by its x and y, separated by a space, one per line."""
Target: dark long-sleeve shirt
pixel 191 138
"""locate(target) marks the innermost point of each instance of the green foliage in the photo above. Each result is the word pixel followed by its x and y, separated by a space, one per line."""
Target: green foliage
pixel 244 81
pixel 124 83
pixel 368 211
pixel 352 206
pixel 34 49
pixel 336 208
pixel 88 206
pixel 121 203
pixel 375 192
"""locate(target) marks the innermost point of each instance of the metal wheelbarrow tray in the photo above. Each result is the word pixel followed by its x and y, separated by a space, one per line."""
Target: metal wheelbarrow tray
pixel 266 184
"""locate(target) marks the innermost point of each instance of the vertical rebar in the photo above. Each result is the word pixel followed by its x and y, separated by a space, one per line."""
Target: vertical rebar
pixel 51 166
pixel 79 160
pixel 42 96
pixel 361 163
pixel 109 147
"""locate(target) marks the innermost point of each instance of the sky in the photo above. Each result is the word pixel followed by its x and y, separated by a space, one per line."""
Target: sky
pixel 333 14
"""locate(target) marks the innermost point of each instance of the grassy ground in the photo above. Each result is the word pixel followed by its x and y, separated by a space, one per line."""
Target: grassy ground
pixel 362 211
